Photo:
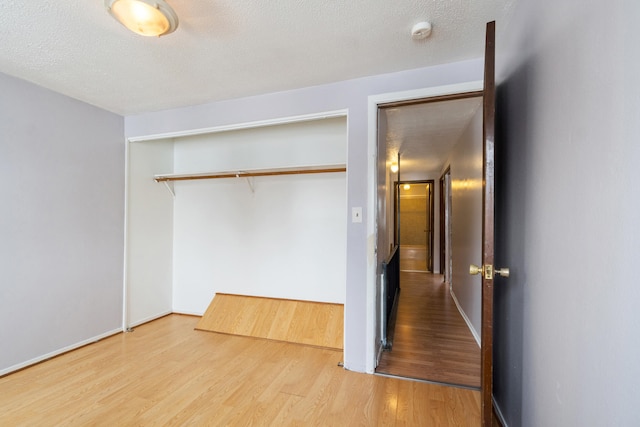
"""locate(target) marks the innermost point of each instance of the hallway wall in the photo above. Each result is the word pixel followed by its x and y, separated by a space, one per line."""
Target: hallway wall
pixel 567 320
pixel 466 220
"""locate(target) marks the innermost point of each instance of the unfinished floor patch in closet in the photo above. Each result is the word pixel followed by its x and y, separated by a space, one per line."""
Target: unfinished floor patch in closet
pixel 302 322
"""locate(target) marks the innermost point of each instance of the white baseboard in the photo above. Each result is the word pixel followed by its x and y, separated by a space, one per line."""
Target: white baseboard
pixel 149 319
pixel 477 338
pixel 58 352
pixel 380 350
pixel 188 313
pixel 91 340
pixel 466 319
pixel 499 412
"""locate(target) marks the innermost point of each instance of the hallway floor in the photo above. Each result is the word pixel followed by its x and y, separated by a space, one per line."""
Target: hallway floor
pixel 413 258
pixel 431 340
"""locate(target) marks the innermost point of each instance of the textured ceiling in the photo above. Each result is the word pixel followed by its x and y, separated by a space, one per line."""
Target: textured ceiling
pixel 231 48
pixel 424 134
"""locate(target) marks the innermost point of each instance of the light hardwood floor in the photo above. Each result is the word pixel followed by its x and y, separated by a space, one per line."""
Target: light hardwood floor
pixel 431 340
pixel 166 373
pixel 303 322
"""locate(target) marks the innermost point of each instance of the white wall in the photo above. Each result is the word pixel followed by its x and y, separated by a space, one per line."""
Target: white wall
pixel 304 143
pixel 351 95
pixel 61 223
pixel 149 257
pixel 285 240
pixel 567 340
pixel 466 220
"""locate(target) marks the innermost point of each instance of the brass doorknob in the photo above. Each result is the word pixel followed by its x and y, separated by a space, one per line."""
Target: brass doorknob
pixel 474 269
pixel 503 272
pixel 488 271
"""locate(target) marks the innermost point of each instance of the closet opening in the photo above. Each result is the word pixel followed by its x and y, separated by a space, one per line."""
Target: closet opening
pixel 255 209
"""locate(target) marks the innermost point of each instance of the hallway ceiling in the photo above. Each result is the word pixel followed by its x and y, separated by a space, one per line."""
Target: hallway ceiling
pixel 226 49
pixel 424 134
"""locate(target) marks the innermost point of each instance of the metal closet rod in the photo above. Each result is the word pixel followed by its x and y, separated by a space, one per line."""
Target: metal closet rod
pixel 249 174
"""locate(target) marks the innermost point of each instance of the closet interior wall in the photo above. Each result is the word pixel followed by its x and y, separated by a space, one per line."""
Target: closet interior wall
pixel 273 236
pixel 149 233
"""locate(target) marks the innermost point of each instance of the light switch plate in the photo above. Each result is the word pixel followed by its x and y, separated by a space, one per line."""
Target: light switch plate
pixel 356 214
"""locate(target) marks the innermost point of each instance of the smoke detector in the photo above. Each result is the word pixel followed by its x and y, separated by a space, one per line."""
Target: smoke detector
pixel 421 30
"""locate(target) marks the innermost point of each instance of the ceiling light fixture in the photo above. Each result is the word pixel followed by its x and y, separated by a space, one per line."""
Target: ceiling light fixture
pixel 144 17
pixel 394 167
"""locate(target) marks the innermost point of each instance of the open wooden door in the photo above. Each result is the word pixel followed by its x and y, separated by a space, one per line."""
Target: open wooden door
pixel 487 269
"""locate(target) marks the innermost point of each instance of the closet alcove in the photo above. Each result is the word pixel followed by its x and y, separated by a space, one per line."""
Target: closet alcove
pixel 256 210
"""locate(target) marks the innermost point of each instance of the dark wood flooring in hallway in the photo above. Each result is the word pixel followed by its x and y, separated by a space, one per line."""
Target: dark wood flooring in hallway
pixel 431 339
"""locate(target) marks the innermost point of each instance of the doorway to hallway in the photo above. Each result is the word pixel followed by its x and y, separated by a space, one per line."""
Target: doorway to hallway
pixel 414 225
pixel 433 335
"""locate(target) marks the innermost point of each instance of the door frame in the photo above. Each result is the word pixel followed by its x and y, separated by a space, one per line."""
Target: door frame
pixel 374 102
pixel 445 226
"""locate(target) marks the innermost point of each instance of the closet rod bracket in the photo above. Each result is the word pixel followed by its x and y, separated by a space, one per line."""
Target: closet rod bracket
pixel 169 185
pixel 250 181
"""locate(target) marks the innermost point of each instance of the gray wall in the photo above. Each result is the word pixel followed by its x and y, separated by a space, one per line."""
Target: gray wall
pixel 61 222
pixel 567 320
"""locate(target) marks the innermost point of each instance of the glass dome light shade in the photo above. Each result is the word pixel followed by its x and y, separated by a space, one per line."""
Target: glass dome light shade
pixel 145 17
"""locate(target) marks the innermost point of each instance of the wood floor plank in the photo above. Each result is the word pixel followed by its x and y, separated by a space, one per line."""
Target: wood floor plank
pixel 303 322
pixel 431 339
pixel 166 373
pixel 413 258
